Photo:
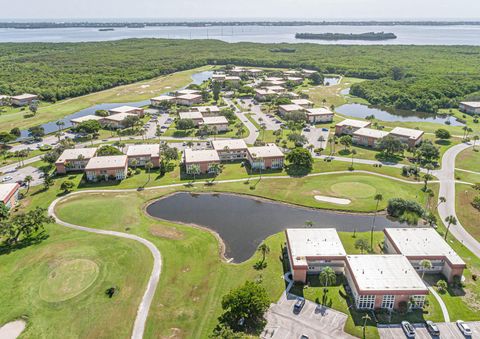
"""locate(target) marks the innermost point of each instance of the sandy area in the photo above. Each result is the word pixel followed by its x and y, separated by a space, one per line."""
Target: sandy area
pixel 12 329
pixel 332 200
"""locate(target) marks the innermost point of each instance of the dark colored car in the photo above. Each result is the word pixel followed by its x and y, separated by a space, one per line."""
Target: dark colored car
pixel 432 328
pixel 298 305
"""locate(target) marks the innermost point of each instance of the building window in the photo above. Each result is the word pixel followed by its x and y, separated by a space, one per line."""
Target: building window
pixel 366 302
pixel 388 301
pixel 417 301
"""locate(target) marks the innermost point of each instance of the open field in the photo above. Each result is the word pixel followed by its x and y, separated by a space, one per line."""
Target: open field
pixel 469 159
pixel 62 280
pixel 468 215
pixel 138 91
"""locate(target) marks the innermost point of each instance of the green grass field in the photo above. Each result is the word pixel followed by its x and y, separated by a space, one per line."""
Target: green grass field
pixel 469 159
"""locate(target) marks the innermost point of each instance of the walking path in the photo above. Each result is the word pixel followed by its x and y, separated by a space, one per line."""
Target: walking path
pixel 446 316
pixel 144 307
pixel 446 176
pixel 464 170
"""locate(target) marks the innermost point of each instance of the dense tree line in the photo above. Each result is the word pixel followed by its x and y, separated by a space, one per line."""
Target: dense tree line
pixel 426 76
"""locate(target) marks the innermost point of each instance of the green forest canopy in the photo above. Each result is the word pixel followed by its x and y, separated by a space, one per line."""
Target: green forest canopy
pixel 440 75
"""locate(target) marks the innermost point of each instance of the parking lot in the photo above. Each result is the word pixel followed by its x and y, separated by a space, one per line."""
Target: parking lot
pixel 447 330
pixel 313 321
pixel 317 137
pixel 20 174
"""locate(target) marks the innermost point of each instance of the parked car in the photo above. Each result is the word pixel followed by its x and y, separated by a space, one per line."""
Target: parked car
pixel 7 178
pixel 306 129
pixel 408 329
pixel 325 129
pixel 298 305
pixel 432 328
pixel 464 328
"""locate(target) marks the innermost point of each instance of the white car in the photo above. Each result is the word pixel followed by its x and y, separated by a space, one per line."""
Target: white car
pixel 7 178
pixel 464 328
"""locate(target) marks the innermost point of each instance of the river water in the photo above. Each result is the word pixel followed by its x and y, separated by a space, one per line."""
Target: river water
pixel 243 222
pixel 406 35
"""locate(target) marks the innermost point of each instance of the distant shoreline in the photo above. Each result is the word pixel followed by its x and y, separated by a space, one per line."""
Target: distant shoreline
pixel 369 36
pixel 141 24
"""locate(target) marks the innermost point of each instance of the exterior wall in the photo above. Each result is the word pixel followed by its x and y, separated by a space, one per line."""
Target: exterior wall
pixel 71 166
pixel 143 159
pixel 450 272
pixel 267 163
pixel 364 141
pixel 232 154
pixel 316 265
pixel 204 166
pixel 119 173
pixel 112 124
pixel 469 109
pixel 188 102
pixel 300 274
pixel 408 141
pixel 282 112
pixel 339 130
pixel 320 118
pixel 22 102
pixel 220 127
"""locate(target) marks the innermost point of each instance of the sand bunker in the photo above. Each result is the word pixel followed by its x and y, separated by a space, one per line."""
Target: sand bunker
pixel 12 330
pixel 332 200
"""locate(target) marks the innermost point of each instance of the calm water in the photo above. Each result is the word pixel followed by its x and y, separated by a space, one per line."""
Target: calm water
pixel 362 111
pixel 408 35
pixel 244 222
pixel 51 127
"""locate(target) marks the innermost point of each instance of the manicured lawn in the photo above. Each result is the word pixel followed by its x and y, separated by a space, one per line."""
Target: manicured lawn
pixel 129 93
pixel 468 215
pixel 469 159
pixel 59 285
pixel 467 176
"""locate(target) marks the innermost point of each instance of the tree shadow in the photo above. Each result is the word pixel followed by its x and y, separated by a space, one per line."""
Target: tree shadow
pixel 297 171
pixel 23 243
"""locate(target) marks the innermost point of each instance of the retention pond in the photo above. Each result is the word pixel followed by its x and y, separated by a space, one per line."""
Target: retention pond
pixel 244 222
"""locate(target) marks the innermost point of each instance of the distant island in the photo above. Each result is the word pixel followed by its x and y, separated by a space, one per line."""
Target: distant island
pixel 106 29
pixel 346 36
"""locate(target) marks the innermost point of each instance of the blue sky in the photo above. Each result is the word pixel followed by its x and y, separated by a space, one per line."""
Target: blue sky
pixel 265 9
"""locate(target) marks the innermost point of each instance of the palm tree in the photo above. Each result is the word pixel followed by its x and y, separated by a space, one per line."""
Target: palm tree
pixel 60 124
pixel 264 249
pixel 450 220
pixel 327 276
pixel 365 318
pixel 134 163
pixel 216 169
pixel 430 195
pixel 148 167
pixel 475 139
pixel 441 200
pixel 427 177
pixel 353 153
pixel 308 224
pixel 28 179
pixel 425 264
pixel 378 197
pixel 194 170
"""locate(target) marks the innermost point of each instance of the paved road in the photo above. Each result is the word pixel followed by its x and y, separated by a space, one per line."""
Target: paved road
pixel 446 176
pixel 253 135
pixel 314 136
pixel 144 307
pixel 269 122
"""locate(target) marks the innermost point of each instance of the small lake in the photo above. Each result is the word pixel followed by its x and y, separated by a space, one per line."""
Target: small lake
pixel 244 222
pixel 331 81
pixel 51 127
pixel 362 111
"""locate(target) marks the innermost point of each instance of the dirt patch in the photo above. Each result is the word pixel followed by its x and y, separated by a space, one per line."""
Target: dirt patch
pixel 166 232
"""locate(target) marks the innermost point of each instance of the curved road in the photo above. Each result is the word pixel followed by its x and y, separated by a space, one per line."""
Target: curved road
pixel 144 307
pixel 446 176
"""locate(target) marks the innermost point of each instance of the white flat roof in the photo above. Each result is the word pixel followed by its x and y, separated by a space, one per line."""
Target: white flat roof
pixel 86 118
pixel 314 242
pixel 319 111
pixel 189 96
pixel 275 88
pixel 294 78
pixel 302 102
pixel 200 155
pixel 190 115
pixel 119 116
pixel 267 151
pixel 188 91
pixel 407 132
pixel 143 149
pixel 233 144
pixel 215 120
pixel 354 123
pixel 273 79
pixel 25 96
pixel 262 91
pixel 371 133
pixel 422 242
pixel 124 109
pixel 291 107
pixel 475 104
pixel 7 189
pixel 206 109
pixel 74 153
pixel 384 273
pixel 113 161
pixel 163 98
pixel 232 77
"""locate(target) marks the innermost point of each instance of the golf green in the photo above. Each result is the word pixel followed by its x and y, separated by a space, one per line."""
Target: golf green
pixel 353 189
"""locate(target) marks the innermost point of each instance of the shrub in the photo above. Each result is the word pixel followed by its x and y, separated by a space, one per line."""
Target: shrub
pixel 442 133
pixel 442 286
pixel 476 202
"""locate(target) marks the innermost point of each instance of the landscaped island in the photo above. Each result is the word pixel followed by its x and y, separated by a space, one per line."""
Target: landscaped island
pixel 347 36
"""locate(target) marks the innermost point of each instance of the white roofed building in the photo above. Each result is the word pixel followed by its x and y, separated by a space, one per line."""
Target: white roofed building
pixel 319 115
pixel 74 159
pixel 384 281
pixel 143 153
pixel 348 126
pixel 23 99
pixel 265 157
pixel 220 123
pixel 409 136
pixel 79 120
pixel 230 150
pixel 470 107
pixel 107 168
pixel 312 249
pixel 195 116
pixel 368 137
pixel 162 100
pixel 419 244
pixel 200 161
pixel 127 109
